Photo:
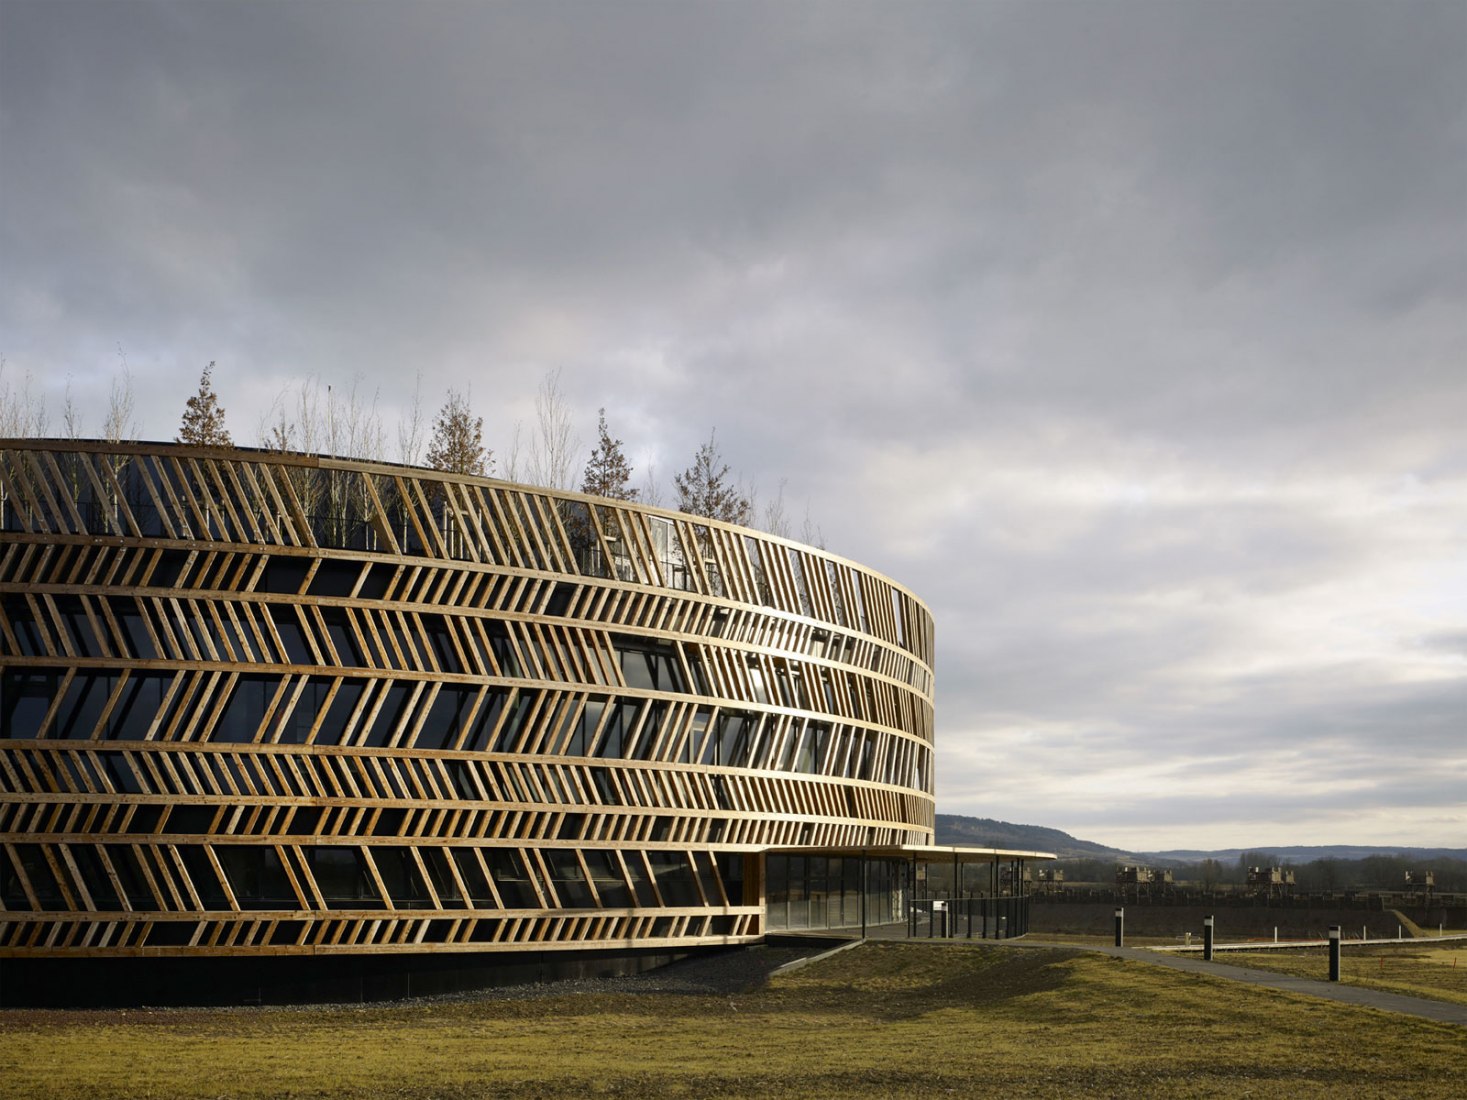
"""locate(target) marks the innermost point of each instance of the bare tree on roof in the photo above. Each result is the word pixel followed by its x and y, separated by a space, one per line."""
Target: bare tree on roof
pixel 774 518
pixel 22 415
pixel 554 446
pixel 22 409
pixel 514 467
pixel 411 428
pixel 70 414
pixel 203 416
pixel 457 445
pixel 120 422
pixel 811 533
pixel 704 488
pixel 607 473
pixel 650 491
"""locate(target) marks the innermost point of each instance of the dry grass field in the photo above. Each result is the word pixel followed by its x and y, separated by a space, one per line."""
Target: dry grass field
pixel 1416 968
pixel 883 1020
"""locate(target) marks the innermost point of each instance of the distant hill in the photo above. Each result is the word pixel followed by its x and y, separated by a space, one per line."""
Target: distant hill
pixel 1300 854
pixel 984 832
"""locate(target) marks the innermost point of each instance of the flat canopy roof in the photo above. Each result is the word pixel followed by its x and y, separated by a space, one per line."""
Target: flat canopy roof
pixel 922 853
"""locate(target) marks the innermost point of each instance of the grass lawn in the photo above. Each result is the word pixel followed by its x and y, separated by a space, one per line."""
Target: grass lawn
pixel 1417 968
pixel 882 1020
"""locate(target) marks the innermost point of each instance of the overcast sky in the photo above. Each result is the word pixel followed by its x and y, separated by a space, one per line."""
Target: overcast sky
pixel 1131 336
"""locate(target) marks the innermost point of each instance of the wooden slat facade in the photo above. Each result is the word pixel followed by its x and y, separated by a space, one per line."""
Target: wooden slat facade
pixel 265 703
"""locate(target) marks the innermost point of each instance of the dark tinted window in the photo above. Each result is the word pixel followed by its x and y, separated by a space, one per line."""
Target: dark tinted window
pixel 25 697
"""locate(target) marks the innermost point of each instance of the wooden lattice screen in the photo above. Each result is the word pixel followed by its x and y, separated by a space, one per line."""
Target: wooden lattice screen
pixel 254 702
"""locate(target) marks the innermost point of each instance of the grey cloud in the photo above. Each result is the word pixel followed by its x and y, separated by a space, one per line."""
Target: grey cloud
pixel 1118 332
pixel 1452 642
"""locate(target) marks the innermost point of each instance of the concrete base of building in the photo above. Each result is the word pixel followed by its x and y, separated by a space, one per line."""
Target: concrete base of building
pixel 278 980
pixel 824 938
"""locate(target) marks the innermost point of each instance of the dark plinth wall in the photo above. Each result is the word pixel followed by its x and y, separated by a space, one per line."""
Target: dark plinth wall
pixel 299 979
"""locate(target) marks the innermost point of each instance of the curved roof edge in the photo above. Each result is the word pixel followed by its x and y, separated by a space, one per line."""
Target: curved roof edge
pixel 323 461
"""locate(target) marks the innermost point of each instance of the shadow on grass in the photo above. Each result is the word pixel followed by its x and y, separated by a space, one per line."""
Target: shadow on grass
pixel 896 981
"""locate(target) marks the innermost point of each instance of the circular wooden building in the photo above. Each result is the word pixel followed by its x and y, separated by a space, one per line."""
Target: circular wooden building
pixel 275 721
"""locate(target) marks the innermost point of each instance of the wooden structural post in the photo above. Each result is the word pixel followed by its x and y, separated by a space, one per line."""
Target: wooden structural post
pixel 1120 926
pixel 950 917
pixel 1334 952
pixel 1207 938
pixel 911 873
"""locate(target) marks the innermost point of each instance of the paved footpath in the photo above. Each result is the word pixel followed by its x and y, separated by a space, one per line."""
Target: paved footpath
pixel 1441 1011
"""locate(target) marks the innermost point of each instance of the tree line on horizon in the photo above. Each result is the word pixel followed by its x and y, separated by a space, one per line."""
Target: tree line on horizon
pixel 1326 875
pixel 343 424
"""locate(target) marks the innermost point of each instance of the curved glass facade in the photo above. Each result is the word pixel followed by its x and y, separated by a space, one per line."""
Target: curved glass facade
pixel 264 703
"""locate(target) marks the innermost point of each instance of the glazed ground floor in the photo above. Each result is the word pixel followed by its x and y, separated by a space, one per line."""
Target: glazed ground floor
pixel 842 891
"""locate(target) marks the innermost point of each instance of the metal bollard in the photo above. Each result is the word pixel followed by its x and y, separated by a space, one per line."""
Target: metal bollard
pixel 1207 938
pixel 1334 952
pixel 1120 927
